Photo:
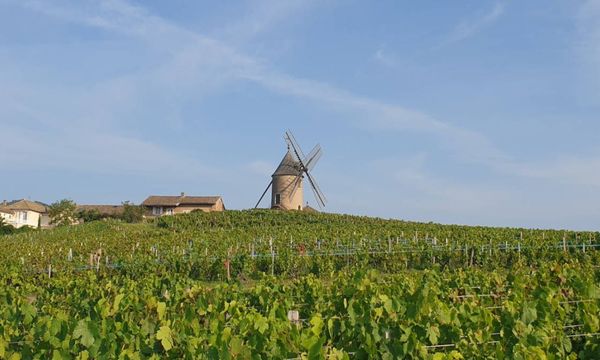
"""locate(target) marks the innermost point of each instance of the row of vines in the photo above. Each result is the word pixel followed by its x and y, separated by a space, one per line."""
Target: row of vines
pixel 270 285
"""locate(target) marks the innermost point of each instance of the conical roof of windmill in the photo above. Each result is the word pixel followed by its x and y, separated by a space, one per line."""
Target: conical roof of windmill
pixel 288 166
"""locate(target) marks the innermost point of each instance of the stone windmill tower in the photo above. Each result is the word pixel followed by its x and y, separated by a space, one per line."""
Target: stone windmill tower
pixel 286 184
pixel 287 191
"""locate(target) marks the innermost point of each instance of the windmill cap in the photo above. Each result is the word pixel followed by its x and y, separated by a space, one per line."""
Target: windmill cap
pixel 288 166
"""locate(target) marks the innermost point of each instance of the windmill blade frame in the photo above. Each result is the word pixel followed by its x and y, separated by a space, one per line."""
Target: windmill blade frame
pixel 313 159
pixel 321 200
pixel 263 194
pixel 291 140
pixel 296 185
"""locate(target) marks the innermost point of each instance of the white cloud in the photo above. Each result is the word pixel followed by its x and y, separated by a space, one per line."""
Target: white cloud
pixel 196 57
pixel 93 152
pixel 469 28
pixel 575 170
pixel 262 16
pixel 198 63
pixel 588 44
pixel 437 194
pixel 382 57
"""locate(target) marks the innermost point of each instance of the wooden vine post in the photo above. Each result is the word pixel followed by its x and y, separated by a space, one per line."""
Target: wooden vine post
pixel 294 317
pixel 95 259
pixel 472 255
pixel 227 264
pixel 272 256
pixel 434 242
pixel 347 257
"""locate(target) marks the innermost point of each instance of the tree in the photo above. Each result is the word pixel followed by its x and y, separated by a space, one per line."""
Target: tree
pixel 5 228
pixel 132 213
pixel 90 215
pixel 62 213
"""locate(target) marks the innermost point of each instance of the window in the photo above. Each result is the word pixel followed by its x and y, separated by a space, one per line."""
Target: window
pixel 24 215
pixel 169 211
pixel 277 199
pixel 157 210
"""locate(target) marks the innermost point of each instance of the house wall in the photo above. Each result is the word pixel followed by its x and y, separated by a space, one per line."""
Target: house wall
pixel 187 209
pixel 284 186
pixel 31 218
pixel 184 209
pixel 219 206
pixel 150 210
pixel 8 218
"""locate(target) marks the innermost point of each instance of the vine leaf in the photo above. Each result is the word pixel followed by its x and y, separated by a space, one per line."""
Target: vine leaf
pixel 116 303
pixel 83 332
pixel 160 309
pixel 164 335
pixel 529 314
pixel 261 324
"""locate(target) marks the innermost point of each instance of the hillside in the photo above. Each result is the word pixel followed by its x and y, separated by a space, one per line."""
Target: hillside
pixel 287 285
pixel 244 233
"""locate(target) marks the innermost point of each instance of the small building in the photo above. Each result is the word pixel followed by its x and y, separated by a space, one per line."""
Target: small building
pixel 6 214
pixel 104 211
pixel 171 205
pixel 25 213
pixel 309 209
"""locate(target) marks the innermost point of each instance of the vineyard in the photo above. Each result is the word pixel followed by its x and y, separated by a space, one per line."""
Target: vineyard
pixel 291 285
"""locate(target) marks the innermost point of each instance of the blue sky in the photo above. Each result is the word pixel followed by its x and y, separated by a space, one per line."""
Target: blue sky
pixel 471 112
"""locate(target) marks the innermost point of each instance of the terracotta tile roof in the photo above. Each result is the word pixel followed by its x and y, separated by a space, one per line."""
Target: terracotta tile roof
pixel 28 205
pixel 310 209
pixel 6 210
pixel 103 209
pixel 180 200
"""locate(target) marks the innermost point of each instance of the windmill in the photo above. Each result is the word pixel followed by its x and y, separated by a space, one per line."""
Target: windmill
pixel 286 181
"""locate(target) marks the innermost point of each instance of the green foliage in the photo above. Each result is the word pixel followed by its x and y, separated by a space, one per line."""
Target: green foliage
pixel 164 335
pixel 82 331
pixel 132 213
pixel 5 228
pixel 362 288
pixel 63 212
pixel 90 215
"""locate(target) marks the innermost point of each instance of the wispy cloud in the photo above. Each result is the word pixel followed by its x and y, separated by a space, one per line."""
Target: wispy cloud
pixel 262 16
pixel 385 59
pixel 196 61
pixel 588 44
pixel 94 153
pixel 469 28
pixel 196 56
pixel 576 170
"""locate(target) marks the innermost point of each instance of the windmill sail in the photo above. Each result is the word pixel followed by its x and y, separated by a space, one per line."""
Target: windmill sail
pixel 307 165
pixel 286 183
